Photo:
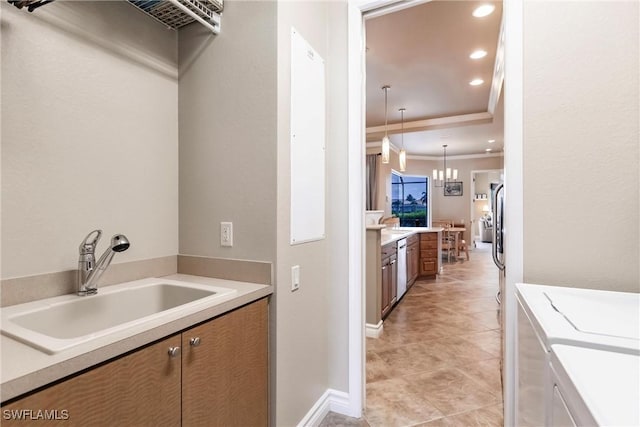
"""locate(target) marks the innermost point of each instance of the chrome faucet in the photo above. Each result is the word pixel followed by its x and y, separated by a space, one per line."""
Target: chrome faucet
pixel 89 272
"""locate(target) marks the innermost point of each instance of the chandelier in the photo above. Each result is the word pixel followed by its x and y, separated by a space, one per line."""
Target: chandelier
pixel 440 177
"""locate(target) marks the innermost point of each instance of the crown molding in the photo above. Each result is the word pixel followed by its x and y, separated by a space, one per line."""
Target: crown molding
pixel 498 72
pixel 378 144
pixel 431 124
pixel 460 157
pixel 383 7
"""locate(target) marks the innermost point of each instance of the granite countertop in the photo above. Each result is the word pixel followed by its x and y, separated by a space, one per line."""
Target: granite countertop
pixel 23 368
pixel 390 235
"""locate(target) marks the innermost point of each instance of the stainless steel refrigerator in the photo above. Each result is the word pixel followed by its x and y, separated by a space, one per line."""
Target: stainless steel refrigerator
pixel 497 199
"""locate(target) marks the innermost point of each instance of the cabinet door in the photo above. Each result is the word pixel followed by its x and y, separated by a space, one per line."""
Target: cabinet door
pixel 140 389
pixel 413 263
pixel 385 301
pixel 225 376
pixel 393 288
pixel 409 266
pixel 416 261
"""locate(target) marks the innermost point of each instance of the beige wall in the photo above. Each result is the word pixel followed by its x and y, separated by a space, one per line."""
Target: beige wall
pixel 228 134
pixel 311 322
pixel 581 144
pixel 89 134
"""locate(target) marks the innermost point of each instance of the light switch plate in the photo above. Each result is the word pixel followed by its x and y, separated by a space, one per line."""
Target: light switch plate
pixel 295 278
pixel 226 234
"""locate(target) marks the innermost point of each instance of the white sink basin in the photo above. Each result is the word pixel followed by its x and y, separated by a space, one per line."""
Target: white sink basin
pixel 59 323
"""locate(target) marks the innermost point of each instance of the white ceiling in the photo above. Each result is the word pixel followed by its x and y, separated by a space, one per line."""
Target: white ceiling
pixel 423 53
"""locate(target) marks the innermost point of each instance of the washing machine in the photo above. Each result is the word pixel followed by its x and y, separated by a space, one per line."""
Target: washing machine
pixel 553 315
pixel 594 387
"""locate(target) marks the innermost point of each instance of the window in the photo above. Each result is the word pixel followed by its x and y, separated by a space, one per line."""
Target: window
pixel 410 199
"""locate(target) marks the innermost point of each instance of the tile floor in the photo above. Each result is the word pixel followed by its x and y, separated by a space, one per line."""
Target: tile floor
pixel 437 361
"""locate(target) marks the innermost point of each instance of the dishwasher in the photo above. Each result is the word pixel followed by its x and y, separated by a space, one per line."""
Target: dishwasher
pixel 402 268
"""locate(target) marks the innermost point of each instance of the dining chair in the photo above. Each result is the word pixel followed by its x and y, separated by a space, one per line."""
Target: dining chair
pixel 462 247
pixel 448 244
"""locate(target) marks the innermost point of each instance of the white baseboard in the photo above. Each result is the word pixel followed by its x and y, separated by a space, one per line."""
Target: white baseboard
pixel 374 331
pixel 331 400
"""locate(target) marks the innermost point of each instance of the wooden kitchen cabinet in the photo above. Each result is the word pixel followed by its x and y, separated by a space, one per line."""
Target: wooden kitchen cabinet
pixel 220 379
pixel 389 278
pixel 413 259
pixel 429 254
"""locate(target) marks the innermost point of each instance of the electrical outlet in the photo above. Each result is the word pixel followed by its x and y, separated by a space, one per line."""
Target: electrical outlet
pixel 226 234
pixel 295 278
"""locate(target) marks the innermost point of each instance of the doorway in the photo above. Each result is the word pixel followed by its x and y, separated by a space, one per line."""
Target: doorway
pixel 513 15
pixel 483 183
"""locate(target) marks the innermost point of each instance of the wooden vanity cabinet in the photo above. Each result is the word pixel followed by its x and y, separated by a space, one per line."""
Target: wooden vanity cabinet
pixel 389 268
pixel 428 254
pixel 232 349
pixel 220 379
pixel 141 389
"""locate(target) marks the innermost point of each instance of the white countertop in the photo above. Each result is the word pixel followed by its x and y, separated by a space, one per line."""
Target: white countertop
pixel 390 235
pixel 23 368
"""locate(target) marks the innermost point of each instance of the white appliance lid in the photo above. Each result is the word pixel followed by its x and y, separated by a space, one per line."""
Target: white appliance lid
pixel 610 314
pixel 607 383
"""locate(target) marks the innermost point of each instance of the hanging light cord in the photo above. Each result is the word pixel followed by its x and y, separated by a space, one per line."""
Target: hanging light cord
pixel 386 89
pixel 402 115
pixel 445 162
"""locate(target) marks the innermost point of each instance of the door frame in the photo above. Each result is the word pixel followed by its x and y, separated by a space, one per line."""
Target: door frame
pixel 513 169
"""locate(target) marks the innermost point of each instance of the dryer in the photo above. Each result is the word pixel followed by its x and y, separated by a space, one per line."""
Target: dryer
pixel 548 315
pixel 594 387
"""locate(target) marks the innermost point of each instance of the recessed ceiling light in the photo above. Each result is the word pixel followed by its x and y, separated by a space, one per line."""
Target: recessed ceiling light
pixel 491 141
pixel 487 150
pixel 477 54
pixel 476 82
pixel 484 10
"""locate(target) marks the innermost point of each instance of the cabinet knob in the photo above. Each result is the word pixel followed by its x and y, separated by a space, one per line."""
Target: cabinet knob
pixel 195 341
pixel 174 351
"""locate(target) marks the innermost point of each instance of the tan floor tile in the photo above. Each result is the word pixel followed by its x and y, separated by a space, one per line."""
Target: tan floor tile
pixel 457 351
pixel 490 318
pixel 452 392
pixel 486 373
pixel 411 359
pixel 489 341
pixel 395 403
pixel 490 416
pixel 376 368
pixel 336 420
pixel 475 305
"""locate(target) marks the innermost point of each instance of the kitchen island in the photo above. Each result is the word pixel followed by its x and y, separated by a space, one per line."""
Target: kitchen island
pixel 422 246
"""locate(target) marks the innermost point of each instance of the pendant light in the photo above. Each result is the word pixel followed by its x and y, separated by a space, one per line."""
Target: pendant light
pixel 440 177
pixel 386 145
pixel 403 153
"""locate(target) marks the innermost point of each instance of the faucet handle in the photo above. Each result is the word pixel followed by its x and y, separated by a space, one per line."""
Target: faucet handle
pixel 88 245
